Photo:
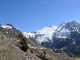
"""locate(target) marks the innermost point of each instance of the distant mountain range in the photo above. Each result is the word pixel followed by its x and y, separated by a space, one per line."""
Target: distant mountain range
pixel 64 30
pixel 43 44
pixel 44 34
pixel 64 37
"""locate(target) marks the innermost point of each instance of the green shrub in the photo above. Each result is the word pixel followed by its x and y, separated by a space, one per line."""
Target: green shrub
pixel 23 42
pixel 20 36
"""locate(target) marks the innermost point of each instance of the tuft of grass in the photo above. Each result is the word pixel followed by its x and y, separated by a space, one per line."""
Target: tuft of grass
pixel 78 58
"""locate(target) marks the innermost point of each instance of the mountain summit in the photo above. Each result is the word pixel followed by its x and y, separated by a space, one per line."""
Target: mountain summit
pixel 44 34
pixel 62 31
pixel 64 37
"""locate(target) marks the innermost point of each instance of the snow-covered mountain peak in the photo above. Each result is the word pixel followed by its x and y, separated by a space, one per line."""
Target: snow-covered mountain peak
pixel 73 26
pixel 73 22
pixel 64 29
pixel 48 33
pixel 51 26
pixel 62 24
pixel 44 34
pixel 61 31
pixel 46 30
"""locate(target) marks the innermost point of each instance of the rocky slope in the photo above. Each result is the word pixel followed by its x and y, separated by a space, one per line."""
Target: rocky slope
pixel 10 31
pixel 10 47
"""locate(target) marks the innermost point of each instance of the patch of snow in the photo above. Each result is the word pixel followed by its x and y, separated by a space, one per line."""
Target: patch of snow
pixel 62 31
pixel 6 32
pixel 55 49
pixel 36 47
pixel 46 33
pixel 63 48
pixel 73 42
pixel 7 27
pixel 42 48
pixel 28 34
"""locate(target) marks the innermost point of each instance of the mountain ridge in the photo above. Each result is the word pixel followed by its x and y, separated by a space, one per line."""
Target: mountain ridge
pixel 45 33
pixel 61 31
pixel 10 47
pixel 66 37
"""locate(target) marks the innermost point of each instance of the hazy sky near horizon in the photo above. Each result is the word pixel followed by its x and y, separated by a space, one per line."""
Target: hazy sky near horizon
pixel 32 15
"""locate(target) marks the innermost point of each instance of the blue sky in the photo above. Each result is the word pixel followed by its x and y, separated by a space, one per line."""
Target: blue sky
pixel 32 15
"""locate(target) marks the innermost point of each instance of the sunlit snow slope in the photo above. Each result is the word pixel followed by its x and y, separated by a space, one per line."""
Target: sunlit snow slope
pixel 64 30
pixel 42 35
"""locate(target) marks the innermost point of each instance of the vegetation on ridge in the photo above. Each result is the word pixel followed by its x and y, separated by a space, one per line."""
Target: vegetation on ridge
pixel 23 42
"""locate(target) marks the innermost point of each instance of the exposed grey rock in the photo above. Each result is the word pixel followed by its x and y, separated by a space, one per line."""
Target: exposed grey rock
pixel 10 32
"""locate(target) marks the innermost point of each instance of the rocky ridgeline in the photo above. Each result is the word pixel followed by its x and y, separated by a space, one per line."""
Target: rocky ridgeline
pixel 10 31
